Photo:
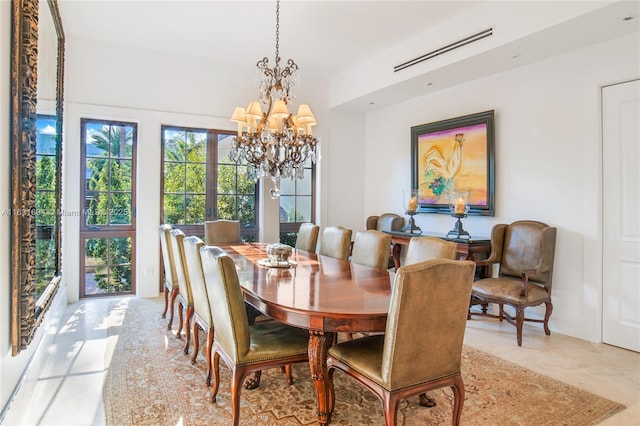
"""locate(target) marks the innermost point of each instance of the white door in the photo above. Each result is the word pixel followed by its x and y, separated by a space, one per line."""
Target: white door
pixel 621 215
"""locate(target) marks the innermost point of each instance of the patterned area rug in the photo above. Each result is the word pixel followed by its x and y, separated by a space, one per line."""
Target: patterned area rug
pixel 151 382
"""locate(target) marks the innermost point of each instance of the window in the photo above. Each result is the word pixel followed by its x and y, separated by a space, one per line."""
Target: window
pixel 296 204
pixel 200 182
pixel 107 231
pixel 46 201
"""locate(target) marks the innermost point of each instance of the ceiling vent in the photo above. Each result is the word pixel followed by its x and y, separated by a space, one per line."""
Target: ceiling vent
pixel 448 48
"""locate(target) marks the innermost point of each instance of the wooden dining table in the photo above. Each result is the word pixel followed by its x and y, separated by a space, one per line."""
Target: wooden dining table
pixel 319 293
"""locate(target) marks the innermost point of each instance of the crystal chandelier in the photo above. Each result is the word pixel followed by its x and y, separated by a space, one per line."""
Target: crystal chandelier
pixel 274 143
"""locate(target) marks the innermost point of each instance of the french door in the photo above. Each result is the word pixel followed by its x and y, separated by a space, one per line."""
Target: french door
pixel 107 231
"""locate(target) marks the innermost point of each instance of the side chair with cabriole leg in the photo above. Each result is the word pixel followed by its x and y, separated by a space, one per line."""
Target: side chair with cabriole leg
pixel 243 348
pixel 185 297
pixel 171 288
pixel 409 358
pixel 525 251
pixel 202 318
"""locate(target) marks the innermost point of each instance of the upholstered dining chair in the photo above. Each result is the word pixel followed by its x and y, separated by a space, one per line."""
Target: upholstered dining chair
pixel 222 231
pixel 202 319
pixel 425 248
pixel 410 359
pixel 307 238
pixel 171 288
pixel 371 248
pixel 243 348
pixel 525 252
pixel 385 222
pixel 335 242
pixel 185 297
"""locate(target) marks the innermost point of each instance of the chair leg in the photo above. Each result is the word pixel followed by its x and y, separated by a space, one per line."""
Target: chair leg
pixel 288 372
pixel 196 341
pixel 331 394
pixel 546 318
pixel 215 367
pixel 187 329
pixel 458 400
pixel 237 377
pixel 390 407
pixel 166 301
pixel 519 323
pixel 180 323
pixel 172 300
pixel 208 351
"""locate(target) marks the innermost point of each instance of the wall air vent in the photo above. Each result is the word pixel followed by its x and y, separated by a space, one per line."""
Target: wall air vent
pixel 445 49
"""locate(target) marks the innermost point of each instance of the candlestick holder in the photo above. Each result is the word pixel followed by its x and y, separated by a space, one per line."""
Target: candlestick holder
pixel 458 232
pixel 411 226
pixel 411 202
pixel 459 208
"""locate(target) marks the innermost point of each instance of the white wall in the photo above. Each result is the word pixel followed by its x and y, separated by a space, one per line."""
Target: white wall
pixel 151 88
pixel 547 156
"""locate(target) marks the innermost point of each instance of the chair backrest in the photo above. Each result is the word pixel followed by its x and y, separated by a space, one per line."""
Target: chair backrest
pixel 201 307
pixel 429 303
pixel 371 248
pixel 524 245
pixel 230 320
pixel 167 256
pixel 222 231
pixel 427 248
pixel 179 263
pixel 307 237
pixel 335 242
pixel 385 222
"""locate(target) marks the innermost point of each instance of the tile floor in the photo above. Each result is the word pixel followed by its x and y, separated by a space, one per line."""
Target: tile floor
pixel 69 390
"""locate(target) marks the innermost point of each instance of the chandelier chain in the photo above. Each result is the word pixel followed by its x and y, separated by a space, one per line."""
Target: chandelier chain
pixel 275 143
pixel 277 32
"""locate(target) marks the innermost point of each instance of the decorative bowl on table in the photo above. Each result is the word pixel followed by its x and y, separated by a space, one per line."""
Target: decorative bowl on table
pixel 279 254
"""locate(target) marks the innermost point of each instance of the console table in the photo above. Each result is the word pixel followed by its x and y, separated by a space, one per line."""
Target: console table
pixel 474 248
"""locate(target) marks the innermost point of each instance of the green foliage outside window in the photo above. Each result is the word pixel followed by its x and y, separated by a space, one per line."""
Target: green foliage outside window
pixel 110 184
pixel 185 195
pixel 45 212
pixel 185 178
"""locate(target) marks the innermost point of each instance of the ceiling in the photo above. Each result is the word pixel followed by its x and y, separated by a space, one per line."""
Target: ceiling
pixel 325 37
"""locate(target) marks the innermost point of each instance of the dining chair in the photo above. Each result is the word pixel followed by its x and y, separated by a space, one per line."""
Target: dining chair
pixel 525 252
pixel 171 288
pixel 243 348
pixel 307 238
pixel 202 319
pixel 425 248
pixel 371 248
pixel 389 222
pixel 185 297
pixel 222 231
pixel 385 222
pixel 335 242
pixel 409 358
